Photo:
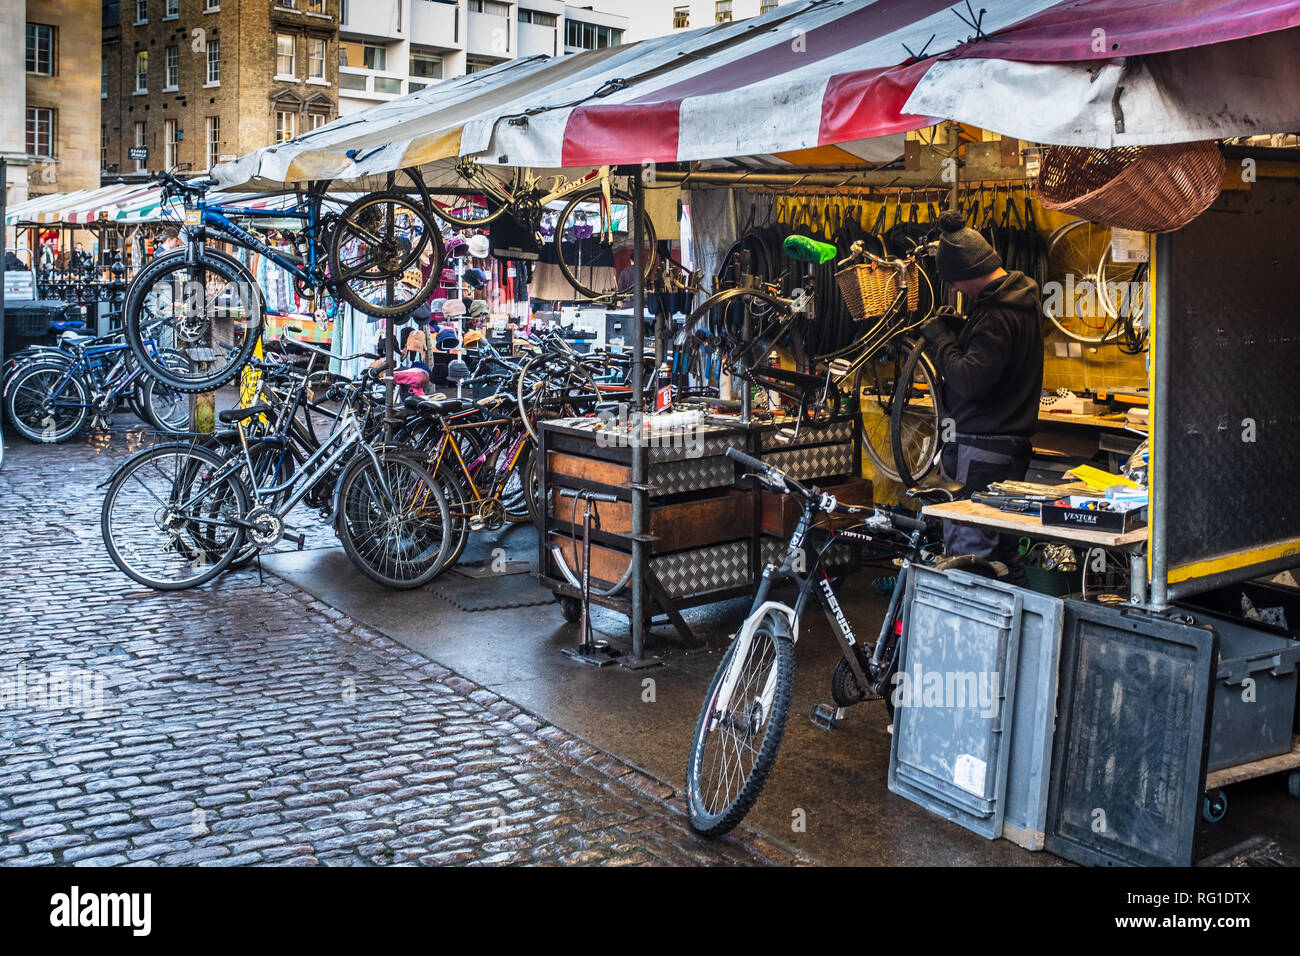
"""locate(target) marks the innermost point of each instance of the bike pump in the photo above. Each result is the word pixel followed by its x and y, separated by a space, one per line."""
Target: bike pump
pixel 591 651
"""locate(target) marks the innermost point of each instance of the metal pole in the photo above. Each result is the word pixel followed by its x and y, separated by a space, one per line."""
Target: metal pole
pixel 1159 448
pixel 640 526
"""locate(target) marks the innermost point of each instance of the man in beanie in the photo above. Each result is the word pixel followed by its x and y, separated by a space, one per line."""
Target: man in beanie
pixel 992 378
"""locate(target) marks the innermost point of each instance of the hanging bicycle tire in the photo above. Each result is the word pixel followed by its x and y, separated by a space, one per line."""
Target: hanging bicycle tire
pixel 595 257
pixel 211 310
pixel 385 254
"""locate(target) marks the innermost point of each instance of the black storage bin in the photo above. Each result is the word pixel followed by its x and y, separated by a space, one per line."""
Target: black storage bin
pixel 1254 705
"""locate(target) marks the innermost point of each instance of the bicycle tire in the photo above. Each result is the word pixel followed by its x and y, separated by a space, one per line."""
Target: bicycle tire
pixel 495 208
pixel 452 482
pixel 192 460
pixel 705 815
pixel 153 363
pixel 916 429
pixel 1058 249
pixel 647 236
pixel 18 408
pixel 401 257
pixel 427 530
pixel 165 418
pixel 572 369
pixel 874 421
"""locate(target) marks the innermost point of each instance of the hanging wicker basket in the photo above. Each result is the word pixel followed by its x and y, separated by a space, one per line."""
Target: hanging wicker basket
pixel 869 289
pixel 1148 188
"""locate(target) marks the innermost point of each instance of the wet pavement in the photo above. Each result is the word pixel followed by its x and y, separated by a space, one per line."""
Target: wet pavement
pixel 249 722
pixel 318 717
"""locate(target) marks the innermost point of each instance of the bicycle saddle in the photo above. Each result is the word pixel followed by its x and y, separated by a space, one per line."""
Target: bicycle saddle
pixel 438 406
pixel 232 415
pixel 935 490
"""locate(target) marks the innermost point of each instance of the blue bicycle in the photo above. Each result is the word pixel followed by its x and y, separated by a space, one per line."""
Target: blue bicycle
pixel 381 253
pixel 54 393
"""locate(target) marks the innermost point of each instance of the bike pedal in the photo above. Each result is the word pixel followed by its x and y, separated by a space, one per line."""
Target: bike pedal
pixel 825 716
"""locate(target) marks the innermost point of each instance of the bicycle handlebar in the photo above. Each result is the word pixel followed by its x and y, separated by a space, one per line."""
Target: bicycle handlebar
pixel 781 481
pixel 859 251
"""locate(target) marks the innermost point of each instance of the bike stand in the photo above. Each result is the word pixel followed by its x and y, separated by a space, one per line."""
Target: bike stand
pixel 826 717
pixel 596 653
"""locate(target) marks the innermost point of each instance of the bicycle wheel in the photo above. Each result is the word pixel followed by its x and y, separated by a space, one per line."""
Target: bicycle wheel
pixel 480 204
pixel 873 387
pixel 594 244
pixel 1076 304
pixel 385 254
pixel 916 419
pixel 460 507
pixel 532 481
pixel 169 517
pixel 211 310
pixel 164 407
pixel 735 740
pixel 37 412
pixel 393 518
pixel 554 386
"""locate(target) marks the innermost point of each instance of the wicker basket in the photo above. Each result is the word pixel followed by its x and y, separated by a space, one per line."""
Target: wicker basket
pixel 1148 188
pixel 869 289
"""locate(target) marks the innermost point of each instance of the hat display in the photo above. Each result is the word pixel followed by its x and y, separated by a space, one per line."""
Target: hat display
pixel 478 309
pixel 453 309
pixel 478 246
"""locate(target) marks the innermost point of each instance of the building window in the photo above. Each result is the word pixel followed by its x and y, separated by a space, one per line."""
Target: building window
pixel 316 59
pixel 537 17
pixel 40 49
pixel 103 147
pixel 316 6
pixel 766 6
pixel 142 71
pixel 363 55
pixel 40 132
pixel 476 66
pixel 171 9
pixel 286 126
pixel 214 140
pixel 140 141
pixel 169 144
pixel 172 78
pixel 141 11
pixel 343 11
pixel 681 18
pixel 426 67
pixel 284 55
pixel 214 61
pixel 211 5
pixel 589 36
pixel 103 77
pixel 316 120
pixel 722 11
pixel 489 6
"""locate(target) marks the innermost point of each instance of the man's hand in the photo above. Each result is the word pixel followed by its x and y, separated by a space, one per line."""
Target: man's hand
pixel 936 330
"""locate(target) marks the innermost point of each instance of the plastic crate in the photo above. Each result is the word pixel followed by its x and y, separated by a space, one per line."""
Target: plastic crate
pixel 1254 693
pixel 985 768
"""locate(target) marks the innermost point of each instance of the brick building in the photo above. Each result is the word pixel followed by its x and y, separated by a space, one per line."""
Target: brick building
pixel 196 82
pixel 45 118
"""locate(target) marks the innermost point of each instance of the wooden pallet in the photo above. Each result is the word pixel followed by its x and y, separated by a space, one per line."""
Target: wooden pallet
pixel 1256 768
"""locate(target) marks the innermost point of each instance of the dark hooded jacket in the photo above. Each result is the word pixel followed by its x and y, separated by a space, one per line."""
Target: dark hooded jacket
pixel 992 369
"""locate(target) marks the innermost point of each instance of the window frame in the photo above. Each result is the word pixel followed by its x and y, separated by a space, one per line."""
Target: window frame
pixel 211 126
pixel 292 125
pixel 141 71
pixel 51 52
pixel 293 55
pixel 32 131
pixel 171 68
pixel 213 60
pixel 324 58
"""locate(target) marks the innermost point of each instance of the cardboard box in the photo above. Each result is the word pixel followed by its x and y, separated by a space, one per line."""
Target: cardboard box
pixel 1081 512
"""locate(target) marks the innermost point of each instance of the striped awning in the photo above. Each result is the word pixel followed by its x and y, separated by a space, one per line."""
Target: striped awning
pixel 814 82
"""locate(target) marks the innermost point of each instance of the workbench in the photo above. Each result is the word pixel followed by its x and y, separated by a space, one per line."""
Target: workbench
pixel 1132 542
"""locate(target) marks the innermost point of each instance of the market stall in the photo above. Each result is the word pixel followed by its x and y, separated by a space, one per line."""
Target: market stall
pixel 817 97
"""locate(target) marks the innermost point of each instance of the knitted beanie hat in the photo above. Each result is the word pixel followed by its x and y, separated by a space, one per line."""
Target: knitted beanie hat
pixel 963 252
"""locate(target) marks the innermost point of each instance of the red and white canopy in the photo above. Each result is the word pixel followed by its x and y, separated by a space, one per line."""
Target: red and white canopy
pixel 836 83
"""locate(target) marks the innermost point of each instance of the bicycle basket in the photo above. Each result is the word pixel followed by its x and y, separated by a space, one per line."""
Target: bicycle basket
pixel 1148 188
pixel 869 289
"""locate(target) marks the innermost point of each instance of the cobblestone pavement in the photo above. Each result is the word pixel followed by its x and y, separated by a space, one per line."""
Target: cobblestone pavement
pixel 248 723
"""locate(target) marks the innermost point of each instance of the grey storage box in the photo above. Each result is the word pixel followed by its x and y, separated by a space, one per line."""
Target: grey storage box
pixel 981 762
pixel 1254 693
